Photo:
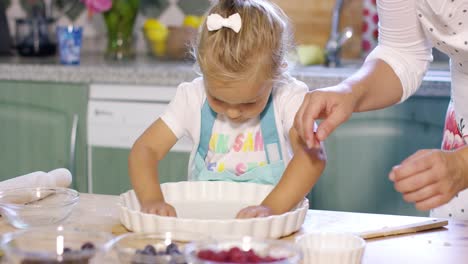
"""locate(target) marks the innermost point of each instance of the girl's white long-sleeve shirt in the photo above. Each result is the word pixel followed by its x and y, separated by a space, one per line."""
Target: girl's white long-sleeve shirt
pixel 408 29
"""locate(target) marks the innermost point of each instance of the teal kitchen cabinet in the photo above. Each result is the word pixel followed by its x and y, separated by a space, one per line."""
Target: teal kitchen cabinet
pixel 43 128
pixel 363 150
pixel 110 169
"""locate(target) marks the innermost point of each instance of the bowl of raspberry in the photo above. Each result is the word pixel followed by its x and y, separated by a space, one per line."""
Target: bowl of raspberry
pixel 242 250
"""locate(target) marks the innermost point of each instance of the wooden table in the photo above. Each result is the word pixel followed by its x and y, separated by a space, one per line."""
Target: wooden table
pixel 443 245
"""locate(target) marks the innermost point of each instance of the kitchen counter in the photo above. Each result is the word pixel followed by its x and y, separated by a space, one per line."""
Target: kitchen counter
pixel 443 245
pixel 145 70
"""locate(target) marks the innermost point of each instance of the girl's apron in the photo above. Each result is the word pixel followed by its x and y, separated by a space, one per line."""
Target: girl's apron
pixel 268 174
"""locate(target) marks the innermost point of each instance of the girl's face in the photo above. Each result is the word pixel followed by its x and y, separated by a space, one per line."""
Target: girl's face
pixel 239 101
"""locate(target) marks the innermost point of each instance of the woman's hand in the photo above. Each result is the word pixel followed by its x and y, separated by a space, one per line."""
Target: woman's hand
pixel 333 104
pixel 254 211
pixel 159 208
pixel 431 178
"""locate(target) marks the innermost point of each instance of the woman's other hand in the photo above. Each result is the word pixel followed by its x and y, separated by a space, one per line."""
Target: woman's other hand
pixel 431 178
pixel 254 211
pixel 333 104
pixel 159 208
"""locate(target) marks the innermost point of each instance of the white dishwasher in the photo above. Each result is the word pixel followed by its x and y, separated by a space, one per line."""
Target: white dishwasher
pixel 117 116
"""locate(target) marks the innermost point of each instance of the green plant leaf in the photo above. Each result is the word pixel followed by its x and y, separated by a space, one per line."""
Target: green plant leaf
pixel 120 19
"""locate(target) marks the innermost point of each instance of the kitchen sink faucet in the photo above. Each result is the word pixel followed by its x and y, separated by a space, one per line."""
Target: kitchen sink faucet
pixel 336 39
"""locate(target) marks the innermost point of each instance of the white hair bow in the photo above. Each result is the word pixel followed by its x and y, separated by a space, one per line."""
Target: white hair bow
pixel 216 22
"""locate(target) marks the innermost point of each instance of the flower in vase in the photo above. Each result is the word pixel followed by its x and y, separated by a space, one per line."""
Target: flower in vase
pixel 97 6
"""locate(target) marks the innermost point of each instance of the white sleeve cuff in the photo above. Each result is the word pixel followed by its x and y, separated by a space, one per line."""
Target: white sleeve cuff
pixel 409 69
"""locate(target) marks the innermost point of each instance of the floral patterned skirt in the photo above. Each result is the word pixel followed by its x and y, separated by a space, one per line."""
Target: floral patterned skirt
pixel 453 139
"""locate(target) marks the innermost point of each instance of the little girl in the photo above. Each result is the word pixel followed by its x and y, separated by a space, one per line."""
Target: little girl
pixel 239 114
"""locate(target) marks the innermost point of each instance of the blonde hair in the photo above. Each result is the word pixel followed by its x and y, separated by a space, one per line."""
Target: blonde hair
pixel 257 51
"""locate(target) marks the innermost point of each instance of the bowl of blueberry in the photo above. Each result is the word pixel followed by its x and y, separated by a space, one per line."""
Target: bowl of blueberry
pixel 242 250
pixel 55 245
pixel 153 248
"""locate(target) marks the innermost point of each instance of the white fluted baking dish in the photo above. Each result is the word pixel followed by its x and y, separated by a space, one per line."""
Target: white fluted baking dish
pixel 210 208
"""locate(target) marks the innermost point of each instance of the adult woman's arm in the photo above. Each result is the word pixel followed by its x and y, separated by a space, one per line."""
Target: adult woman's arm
pixel 391 73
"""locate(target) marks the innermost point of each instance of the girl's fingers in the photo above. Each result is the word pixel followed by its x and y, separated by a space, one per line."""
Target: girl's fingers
pixel 167 211
pixel 162 211
pixel 263 213
pixel 172 213
pixel 252 212
pixel 258 212
pixel 242 213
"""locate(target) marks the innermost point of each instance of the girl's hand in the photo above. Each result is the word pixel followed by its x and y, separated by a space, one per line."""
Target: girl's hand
pixel 333 104
pixel 254 211
pixel 159 208
pixel 430 178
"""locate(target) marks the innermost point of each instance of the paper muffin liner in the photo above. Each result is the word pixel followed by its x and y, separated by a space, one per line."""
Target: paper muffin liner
pixel 331 248
pixel 210 208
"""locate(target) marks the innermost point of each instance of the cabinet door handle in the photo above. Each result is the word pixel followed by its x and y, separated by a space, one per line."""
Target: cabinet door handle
pixel 73 136
pixel 99 112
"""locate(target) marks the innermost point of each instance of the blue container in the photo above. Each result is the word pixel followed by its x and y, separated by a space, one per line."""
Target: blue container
pixel 69 44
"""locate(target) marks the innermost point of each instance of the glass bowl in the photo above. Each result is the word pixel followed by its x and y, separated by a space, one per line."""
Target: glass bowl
pixel 30 207
pixel 153 248
pixel 55 245
pixel 243 250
